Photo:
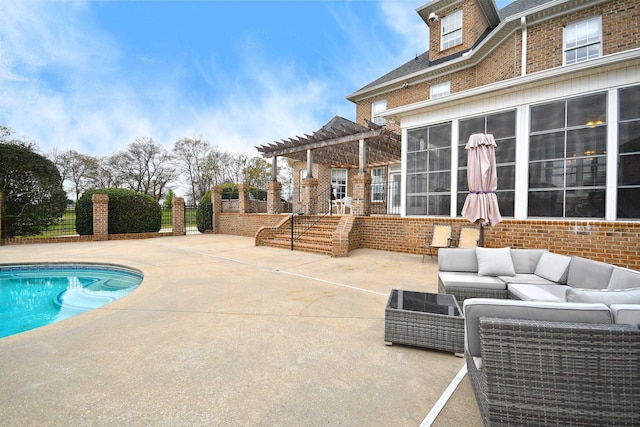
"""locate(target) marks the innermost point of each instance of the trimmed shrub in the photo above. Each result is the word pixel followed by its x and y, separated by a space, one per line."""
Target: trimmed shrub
pixel 129 212
pixel 204 213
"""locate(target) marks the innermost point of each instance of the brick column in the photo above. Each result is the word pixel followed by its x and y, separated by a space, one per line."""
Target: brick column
pixel 274 194
pixel 309 194
pixel 243 198
pixel 100 216
pixel 177 217
pixel 362 194
pixel 216 207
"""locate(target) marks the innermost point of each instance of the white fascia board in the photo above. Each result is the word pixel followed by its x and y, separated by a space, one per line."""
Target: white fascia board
pixel 515 82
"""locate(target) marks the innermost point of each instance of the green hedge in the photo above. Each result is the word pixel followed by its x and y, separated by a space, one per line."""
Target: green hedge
pixel 129 212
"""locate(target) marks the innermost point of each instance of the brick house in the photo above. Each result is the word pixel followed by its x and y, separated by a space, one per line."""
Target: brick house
pixel 557 82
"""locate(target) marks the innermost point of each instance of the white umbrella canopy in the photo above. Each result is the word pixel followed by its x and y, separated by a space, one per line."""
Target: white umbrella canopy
pixel 481 205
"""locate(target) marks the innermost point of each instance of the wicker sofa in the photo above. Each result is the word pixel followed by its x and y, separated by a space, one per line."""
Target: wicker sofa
pixel 549 340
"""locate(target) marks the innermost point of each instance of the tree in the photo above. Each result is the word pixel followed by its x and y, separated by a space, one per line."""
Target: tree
pixel 147 167
pixel 78 169
pixel 196 160
pixel 32 187
pixel 168 199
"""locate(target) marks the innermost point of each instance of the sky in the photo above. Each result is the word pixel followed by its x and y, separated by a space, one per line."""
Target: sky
pixel 93 76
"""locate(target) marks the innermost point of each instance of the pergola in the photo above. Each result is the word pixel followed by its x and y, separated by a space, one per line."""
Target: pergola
pixel 340 143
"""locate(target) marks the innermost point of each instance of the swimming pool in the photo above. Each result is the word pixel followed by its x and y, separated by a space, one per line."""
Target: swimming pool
pixel 34 295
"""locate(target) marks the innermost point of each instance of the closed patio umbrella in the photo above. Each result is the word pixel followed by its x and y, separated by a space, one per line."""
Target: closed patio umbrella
pixel 481 205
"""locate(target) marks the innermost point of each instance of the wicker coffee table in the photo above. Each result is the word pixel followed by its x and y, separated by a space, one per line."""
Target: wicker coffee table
pixel 423 319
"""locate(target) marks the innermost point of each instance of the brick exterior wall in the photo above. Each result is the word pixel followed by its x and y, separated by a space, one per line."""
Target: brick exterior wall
pixel 474 24
pixel 620 32
pixel 248 224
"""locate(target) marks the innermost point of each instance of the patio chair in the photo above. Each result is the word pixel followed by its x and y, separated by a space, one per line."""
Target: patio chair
pixel 441 237
pixel 347 203
pixel 469 237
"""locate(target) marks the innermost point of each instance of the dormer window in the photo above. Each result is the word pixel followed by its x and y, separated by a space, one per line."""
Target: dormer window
pixel 451 30
pixel 583 40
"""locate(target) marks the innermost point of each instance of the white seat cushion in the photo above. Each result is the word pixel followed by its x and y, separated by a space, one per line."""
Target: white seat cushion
pixel 627 314
pixel 453 279
pixel 526 278
pixel 605 296
pixel 529 292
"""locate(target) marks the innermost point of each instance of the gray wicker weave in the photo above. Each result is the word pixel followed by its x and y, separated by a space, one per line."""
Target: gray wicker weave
pixel 462 294
pixel 425 320
pixel 553 373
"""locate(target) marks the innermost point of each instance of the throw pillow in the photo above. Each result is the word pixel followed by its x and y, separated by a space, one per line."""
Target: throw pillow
pixel 553 267
pixel 604 296
pixel 495 262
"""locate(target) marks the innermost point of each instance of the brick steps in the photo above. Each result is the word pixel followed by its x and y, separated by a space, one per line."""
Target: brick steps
pixel 317 239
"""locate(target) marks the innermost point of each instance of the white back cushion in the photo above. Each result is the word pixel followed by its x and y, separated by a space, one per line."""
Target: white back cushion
pixel 553 267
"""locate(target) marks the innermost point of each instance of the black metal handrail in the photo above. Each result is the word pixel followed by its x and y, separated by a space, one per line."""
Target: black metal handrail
pixel 310 214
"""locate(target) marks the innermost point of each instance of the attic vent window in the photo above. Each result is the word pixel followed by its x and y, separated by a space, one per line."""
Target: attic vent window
pixel 451 30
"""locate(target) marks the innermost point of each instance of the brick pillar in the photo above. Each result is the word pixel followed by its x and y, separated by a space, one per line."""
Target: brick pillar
pixel 100 216
pixel 309 195
pixel 362 194
pixel 177 217
pixel 274 194
pixel 243 198
pixel 216 205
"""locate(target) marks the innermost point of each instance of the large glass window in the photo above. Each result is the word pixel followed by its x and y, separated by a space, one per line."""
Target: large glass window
pixel 451 30
pixel 503 128
pixel 378 108
pixel 429 170
pixel 567 158
pixel 339 183
pixel 583 40
pixel 629 153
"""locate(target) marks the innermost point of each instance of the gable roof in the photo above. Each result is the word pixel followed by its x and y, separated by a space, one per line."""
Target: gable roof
pixel 421 62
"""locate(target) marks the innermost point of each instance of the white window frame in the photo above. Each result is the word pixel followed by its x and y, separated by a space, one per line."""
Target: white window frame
pixel 451 30
pixel 439 90
pixel 571 44
pixel 377 108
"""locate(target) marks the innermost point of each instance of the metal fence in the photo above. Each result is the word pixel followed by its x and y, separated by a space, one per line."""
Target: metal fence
pixel 385 198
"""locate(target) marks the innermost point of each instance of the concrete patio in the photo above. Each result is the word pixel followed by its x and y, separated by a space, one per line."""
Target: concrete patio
pixel 225 333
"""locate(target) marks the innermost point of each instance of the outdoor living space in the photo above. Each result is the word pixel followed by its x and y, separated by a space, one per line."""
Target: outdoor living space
pixel 223 332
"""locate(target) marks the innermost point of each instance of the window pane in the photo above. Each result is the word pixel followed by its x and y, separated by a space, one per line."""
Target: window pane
pixel 416 205
pixel 629 170
pixel 547 146
pixel 505 202
pixel 506 150
pixel 502 125
pixel 440 159
pixel 629 203
pixel 416 138
pixel 439 182
pixel 545 203
pixel 587 110
pixel 506 177
pixel 547 116
pixel 585 204
pixel 587 142
pixel 468 127
pixel 546 174
pixel 629 137
pixel 439 204
pixel 586 172
pixel 440 135
pixel 463 183
pixel 629 100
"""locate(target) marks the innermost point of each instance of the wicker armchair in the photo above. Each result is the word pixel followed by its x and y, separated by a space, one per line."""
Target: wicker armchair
pixel 557 373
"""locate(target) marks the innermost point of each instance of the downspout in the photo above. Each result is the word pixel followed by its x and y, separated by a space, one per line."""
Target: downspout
pixel 523 60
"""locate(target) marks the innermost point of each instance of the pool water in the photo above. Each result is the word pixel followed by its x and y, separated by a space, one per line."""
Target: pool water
pixel 36 295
